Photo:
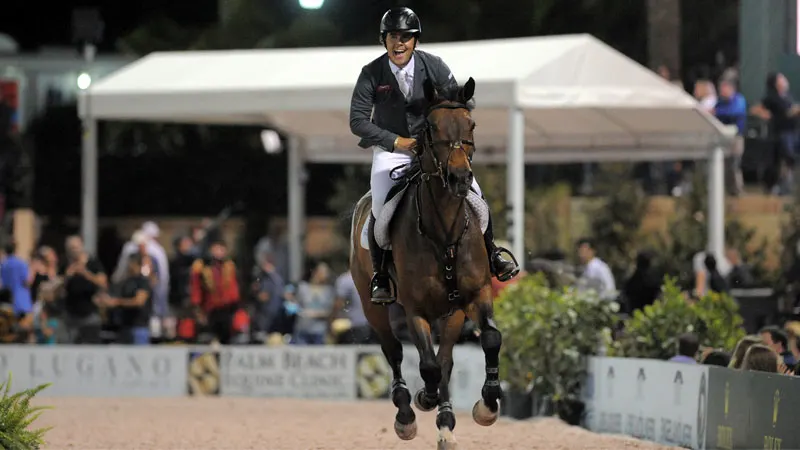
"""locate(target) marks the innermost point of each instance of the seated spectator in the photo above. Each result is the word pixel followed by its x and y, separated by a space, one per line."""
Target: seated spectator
pixel 760 358
pixel 688 345
pixel 315 297
pixel 719 358
pixel 793 333
pixel 741 348
pixel 776 339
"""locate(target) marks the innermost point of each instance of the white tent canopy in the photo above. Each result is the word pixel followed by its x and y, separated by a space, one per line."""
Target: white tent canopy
pixel 545 99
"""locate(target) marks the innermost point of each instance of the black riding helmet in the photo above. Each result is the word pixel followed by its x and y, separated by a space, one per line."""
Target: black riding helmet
pixel 400 19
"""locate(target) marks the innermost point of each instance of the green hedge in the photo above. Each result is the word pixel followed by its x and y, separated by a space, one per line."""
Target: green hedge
pixel 548 333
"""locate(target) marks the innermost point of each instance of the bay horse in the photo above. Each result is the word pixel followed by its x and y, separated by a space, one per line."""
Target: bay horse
pixel 441 267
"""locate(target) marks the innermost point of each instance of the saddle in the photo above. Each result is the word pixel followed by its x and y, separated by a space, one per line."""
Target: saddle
pixel 396 194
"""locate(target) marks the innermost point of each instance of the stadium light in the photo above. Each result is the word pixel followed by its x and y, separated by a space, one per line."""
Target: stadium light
pixel 84 81
pixel 271 142
pixel 311 4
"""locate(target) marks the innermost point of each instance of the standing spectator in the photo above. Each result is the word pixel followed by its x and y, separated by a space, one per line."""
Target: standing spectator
pixel 779 108
pixel 43 269
pixel 268 289
pixel 180 269
pixel 214 291
pixel 731 109
pixel 315 298
pixel 349 302
pixel 148 236
pixel 644 286
pixel 84 277
pixel 14 275
pixel 702 277
pixel 130 303
pixel 596 273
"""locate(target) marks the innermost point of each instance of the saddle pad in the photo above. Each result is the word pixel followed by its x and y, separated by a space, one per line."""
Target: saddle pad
pixel 383 222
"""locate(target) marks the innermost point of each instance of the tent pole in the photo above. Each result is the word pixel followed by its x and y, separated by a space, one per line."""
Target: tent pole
pixel 515 179
pixel 88 176
pixel 716 201
pixel 296 208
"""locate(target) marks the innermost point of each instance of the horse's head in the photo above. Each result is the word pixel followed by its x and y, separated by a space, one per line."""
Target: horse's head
pixel 448 143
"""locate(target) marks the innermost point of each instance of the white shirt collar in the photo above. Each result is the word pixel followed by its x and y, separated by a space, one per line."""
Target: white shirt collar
pixel 409 68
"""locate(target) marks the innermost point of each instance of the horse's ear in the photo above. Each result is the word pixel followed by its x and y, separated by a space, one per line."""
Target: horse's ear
pixel 431 95
pixel 467 91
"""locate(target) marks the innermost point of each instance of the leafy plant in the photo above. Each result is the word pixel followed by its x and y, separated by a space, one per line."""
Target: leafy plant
pixel 653 331
pixel 16 416
pixel 547 335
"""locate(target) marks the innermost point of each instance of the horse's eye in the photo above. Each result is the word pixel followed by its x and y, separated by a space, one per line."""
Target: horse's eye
pixel 472 127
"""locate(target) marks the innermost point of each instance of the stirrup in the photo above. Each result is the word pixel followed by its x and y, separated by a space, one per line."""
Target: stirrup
pixel 506 276
pixel 382 301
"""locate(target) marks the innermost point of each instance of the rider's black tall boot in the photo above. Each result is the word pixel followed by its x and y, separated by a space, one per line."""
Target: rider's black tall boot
pixel 381 285
pixel 503 269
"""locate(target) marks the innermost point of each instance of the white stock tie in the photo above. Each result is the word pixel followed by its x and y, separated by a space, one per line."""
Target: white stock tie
pixel 403 81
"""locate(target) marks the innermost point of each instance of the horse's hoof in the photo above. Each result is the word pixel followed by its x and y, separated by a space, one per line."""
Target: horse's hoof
pixel 447 440
pixel 482 415
pixel 406 432
pixel 419 401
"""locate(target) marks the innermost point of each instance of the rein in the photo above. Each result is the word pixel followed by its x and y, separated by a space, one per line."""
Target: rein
pixel 448 255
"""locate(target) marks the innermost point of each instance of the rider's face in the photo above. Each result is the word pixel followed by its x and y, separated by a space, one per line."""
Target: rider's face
pixel 400 46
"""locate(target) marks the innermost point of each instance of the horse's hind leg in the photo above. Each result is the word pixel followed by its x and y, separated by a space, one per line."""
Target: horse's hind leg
pixel 486 410
pixel 445 419
pixel 405 424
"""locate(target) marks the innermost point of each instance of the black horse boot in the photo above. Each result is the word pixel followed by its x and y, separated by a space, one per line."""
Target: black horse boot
pixel 502 269
pixel 381 285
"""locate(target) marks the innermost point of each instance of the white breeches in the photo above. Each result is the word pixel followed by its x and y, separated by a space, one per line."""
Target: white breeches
pixel 380 182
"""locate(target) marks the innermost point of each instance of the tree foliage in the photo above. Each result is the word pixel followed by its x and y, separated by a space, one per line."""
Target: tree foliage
pixel 615 222
pixel 687 234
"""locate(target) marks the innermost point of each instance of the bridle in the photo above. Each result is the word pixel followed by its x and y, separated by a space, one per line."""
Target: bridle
pixel 442 171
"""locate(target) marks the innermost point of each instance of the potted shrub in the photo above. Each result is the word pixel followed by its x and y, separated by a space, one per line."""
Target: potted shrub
pixel 547 336
pixel 16 416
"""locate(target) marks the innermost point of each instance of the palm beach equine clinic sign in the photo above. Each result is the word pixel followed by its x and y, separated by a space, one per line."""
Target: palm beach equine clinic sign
pixel 310 372
pixel 108 371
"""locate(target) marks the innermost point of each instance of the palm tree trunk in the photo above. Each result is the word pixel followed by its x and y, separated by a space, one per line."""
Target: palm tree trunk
pixel 664 35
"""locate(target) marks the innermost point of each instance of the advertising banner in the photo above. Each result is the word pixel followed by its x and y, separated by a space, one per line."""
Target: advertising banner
pixel 97 371
pixel 653 400
pixel 319 372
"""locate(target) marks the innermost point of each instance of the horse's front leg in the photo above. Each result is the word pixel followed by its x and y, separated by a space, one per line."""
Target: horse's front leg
pixel 486 410
pixel 420 329
pixel 451 327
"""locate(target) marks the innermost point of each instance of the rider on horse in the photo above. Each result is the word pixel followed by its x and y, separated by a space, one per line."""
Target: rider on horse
pixel 392 84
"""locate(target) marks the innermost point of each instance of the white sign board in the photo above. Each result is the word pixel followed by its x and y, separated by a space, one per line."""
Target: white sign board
pixel 659 401
pixel 97 371
pixel 308 372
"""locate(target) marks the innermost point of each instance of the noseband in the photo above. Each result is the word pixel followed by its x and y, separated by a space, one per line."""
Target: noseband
pixel 442 171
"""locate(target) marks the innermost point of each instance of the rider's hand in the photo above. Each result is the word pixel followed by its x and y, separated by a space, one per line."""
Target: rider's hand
pixel 406 144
